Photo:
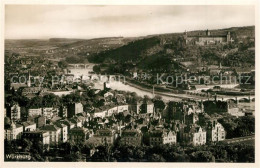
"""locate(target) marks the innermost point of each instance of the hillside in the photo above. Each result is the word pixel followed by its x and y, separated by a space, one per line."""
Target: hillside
pixel 158 52
pixel 130 52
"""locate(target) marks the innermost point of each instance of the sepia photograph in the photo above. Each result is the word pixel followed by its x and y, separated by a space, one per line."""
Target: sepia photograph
pixel 129 83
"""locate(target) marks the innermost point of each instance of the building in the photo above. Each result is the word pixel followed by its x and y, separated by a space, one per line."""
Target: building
pixel 55 133
pixel 14 112
pixel 40 121
pixel 64 131
pixel 233 109
pixel 160 137
pixel 108 96
pixel 105 136
pixel 122 108
pixel 69 124
pixel 206 38
pixel 33 112
pixel 131 137
pixel 33 90
pixel 136 107
pixel 76 121
pixel 112 110
pixel 191 119
pixel 63 112
pixel 194 135
pixel 175 111
pixel 37 136
pixel 74 109
pixel 28 126
pixel 50 112
pixel 13 132
pixel 99 113
pixel 215 132
pixel 147 107
pixel 78 135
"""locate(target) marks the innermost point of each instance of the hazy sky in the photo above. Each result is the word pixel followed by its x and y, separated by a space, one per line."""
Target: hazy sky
pixel 48 21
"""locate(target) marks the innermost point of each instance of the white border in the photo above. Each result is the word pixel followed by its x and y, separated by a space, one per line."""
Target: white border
pixel 128 2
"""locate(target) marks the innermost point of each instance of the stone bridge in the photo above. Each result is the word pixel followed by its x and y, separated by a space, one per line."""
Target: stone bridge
pixel 205 97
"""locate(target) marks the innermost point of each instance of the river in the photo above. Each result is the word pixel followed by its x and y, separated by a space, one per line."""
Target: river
pixel 117 85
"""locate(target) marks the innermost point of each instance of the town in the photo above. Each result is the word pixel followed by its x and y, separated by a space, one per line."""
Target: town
pixel 83 118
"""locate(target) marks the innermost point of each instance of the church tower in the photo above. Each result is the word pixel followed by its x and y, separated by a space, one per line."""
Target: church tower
pixel 228 37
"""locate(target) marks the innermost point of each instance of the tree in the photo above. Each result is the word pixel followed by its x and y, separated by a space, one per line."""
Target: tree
pixel 50 100
pixel 36 102
pixel 158 103
pixel 62 64
pixel 102 154
pixel 156 158
pixel 96 69
pixel 146 98
pixel 139 154
pixel 202 156
pixel 71 98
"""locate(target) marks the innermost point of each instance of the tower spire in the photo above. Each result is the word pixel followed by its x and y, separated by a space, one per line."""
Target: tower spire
pixel 29 80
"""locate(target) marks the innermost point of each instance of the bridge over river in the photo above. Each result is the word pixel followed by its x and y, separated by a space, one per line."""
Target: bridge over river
pixel 117 85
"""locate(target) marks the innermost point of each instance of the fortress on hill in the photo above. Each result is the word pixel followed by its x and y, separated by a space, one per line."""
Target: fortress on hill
pixel 206 38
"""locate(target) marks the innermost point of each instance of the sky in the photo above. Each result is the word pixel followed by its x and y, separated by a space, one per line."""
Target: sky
pixel 86 21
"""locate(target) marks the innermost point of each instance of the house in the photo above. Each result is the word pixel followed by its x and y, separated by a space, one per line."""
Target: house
pixel 194 135
pixel 120 98
pixel 122 108
pixel 28 126
pixel 13 132
pixel 33 90
pixel 40 121
pixel 55 133
pixel 63 112
pixel 50 112
pixel 191 119
pixel 147 107
pixel 99 113
pixel 108 96
pixel 78 135
pixel 105 136
pixel 131 137
pixel 215 131
pixel 136 107
pixel 69 124
pixel 74 109
pixel 13 112
pixel 233 109
pixel 37 136
pixel 112 110
pixel 160 137
pixel 64 131
pixel 33 112
pixel 76 121
pixel 17 86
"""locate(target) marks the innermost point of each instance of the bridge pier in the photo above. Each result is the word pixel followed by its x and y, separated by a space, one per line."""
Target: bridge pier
pixel 237 100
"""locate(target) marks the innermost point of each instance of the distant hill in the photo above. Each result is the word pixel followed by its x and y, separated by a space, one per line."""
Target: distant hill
pixel 125 49
pixel 240 32
pixel 59 40
pixel 130 52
